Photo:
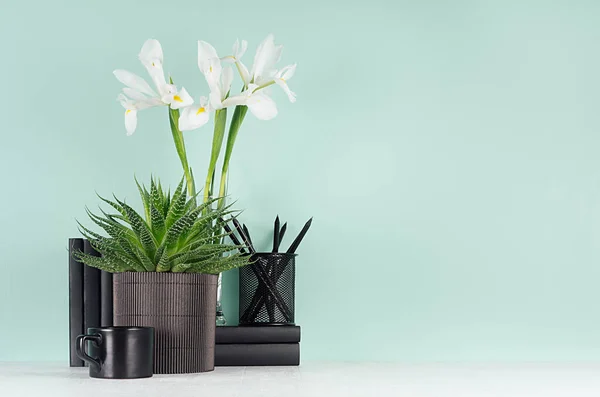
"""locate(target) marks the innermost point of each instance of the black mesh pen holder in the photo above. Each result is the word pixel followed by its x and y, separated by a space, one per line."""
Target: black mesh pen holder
pixel 267 289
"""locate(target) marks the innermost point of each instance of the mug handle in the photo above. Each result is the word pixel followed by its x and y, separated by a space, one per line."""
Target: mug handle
pixel 80 349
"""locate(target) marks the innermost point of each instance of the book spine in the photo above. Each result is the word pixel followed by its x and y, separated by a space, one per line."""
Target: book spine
pixel 258 334
pixel 75 300
pixel 271 354
pixel 106 299
pixel 91 291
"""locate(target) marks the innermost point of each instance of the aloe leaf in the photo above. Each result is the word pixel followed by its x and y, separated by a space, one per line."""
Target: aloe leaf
pixel 163 262
pixel 114 205
pixel 181 268
pixel 145 260
pixel 176 210
pixel 181 226
pixel 145 196
pixel 215 266
pixel 140 228
pixel 103 263
pixel 158 223
pixel 134 264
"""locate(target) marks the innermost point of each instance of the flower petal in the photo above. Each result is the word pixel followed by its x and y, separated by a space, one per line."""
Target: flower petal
pixel 206 52
pixel 130 121
pixel 125 102
pixel 193 117
pixel 262 106
pixel 239 49
pixel 151 51
pixel 287 72
pixel 151 56
pixel 277 54
pixel 291 94
pixel 215 99
pixel 264 53
pixel 212 71
pixel 134 94
pixel 157 75
pixel 244 73
pixel 236 48
pixel 134 81
pixel 235 100
pixel 179 99
pixel 226 80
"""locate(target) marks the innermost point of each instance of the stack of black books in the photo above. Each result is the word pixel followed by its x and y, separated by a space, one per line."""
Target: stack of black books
pixel 90 297
pixel 257 345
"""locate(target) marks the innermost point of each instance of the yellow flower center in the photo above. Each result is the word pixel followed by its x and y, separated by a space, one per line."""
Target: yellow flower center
pixel 201 110
pixel 210 70
pixel 177 98
pixel 127 111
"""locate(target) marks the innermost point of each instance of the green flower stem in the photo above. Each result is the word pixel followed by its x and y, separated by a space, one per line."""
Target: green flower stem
pixel 180 146
pixel 217 143
pixel 236 123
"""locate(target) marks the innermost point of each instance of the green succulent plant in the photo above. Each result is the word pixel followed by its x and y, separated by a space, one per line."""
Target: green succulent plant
pixel 173 235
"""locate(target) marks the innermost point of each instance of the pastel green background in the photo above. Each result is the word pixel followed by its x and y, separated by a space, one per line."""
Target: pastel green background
pixel 448 152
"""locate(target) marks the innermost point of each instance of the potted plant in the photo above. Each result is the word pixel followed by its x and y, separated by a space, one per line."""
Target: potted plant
pixel 185 114
pixel 166 261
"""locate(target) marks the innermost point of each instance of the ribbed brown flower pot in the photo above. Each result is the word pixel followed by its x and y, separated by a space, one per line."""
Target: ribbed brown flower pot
pixel 181 307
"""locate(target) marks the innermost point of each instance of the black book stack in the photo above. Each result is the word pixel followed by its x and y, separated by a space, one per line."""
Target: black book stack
pixel 257 345
pixel 90 296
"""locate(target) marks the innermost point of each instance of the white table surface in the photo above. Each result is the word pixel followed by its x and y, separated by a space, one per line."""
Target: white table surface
pixel 316 379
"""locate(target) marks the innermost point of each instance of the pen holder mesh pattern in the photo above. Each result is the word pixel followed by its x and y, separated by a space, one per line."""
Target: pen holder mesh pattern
pixel 267 289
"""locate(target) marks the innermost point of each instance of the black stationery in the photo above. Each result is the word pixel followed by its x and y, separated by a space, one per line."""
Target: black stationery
pixel 91 291
pixel 75 300
pixel 257 354
pixel 258 334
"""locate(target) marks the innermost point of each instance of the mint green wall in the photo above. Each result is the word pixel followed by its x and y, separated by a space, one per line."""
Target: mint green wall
pixel 448 152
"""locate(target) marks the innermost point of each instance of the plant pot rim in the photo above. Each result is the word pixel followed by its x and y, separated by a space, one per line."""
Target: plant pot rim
pixel 178 273
pixel 121 328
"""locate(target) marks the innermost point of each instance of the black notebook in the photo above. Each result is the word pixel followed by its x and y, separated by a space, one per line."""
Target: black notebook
pixel 106 299
pixel 258 334
pixel 91 291
pixel 75 300
pixel 257 354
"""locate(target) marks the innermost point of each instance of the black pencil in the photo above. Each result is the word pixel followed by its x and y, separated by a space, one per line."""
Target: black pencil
pixel 298 239
pixel 240 230
pixel 276 235
pixel 232 236
pixel 282 232
pixel 247 232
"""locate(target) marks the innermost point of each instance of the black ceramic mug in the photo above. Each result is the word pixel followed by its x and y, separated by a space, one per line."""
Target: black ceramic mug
pixel 118 352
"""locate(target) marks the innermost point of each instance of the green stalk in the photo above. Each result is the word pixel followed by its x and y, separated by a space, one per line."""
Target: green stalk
pixel 218 135
pixel 180 146
pixel 234 128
